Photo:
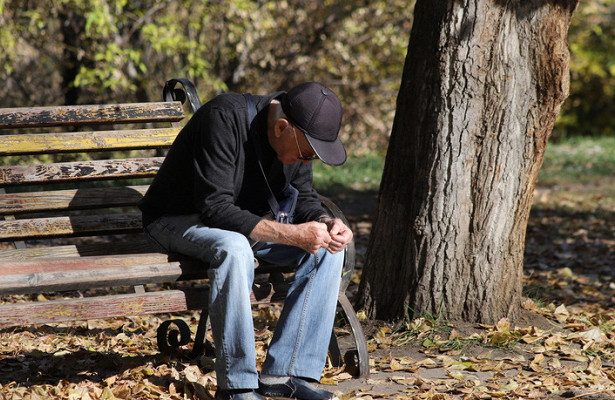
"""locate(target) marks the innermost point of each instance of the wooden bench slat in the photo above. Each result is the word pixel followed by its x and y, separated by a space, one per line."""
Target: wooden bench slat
pixel 90 114
pixel 136 245
pixel 120 305
pixel 51 143
pixel 69 226
pixel 79 171
pixel 60 311
pixel 76 264
pixel 81 273
pixel 74 199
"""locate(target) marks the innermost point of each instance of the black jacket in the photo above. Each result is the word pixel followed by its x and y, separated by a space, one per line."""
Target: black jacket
pixel 211 169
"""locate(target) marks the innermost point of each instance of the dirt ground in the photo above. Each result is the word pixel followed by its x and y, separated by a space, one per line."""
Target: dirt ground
pixel 435 379
pixel 562 346
pixel 570 259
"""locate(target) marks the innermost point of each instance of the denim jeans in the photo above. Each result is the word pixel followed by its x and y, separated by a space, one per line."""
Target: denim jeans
pixel 300 342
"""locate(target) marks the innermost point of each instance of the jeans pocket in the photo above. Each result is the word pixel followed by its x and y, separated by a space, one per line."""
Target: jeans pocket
pixel 153 233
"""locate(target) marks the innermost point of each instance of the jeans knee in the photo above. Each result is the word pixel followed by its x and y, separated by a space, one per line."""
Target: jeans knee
pixel 234 248
pixel 336 259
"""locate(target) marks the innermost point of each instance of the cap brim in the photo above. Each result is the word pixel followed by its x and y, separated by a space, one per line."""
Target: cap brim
pixel 331 153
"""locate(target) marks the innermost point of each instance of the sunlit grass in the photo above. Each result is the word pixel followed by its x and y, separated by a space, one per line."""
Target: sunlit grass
pixel 579 160
pixel 575 161
pixel 578 174
pixel 359 173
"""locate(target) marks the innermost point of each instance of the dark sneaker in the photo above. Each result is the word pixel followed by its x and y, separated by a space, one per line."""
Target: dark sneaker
pixel 295 388
pixel 239 394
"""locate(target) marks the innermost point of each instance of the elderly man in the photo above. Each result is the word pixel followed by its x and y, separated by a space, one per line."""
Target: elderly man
pixel 238 159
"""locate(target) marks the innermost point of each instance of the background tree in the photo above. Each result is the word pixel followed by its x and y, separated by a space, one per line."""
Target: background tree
pixel 482 86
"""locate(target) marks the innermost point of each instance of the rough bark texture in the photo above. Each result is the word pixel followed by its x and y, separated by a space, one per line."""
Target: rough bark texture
pixel 482 87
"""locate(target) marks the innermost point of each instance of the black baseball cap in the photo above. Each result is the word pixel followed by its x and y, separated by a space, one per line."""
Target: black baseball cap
pixel 317 111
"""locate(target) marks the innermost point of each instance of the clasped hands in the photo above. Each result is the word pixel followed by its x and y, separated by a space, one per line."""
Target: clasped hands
pixel 331 234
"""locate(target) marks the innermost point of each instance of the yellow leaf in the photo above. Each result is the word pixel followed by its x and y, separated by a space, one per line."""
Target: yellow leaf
pixel 529 304
pixel 561 314
pixel 446 360
pixel 487 355
pixel 343 376
pixel 427 363
pixel 192 373
pixel 454 335
pixel 594 334
pixel 595 366
pixel 552 342
pixel 110 380
pixel 565 272
pixel 555 363
pixel 348 396
pixel 512 385
pixel 382 331
pixel 328 381
pixel 538 359
pixel 122 391
pixel 503 325
pixel 395 365
pixel 455 373
pixel 107 395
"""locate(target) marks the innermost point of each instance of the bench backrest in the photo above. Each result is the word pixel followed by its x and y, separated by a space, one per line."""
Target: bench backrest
pixel 48 153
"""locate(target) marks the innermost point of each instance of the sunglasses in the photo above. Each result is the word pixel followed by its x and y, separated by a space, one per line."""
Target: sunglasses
pixel 301 156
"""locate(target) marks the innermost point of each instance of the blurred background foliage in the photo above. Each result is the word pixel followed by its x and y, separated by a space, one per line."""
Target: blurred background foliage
pixel 590 108
pixel 99 51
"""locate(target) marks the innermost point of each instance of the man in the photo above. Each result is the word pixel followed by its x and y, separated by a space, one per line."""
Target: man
pixel 208 201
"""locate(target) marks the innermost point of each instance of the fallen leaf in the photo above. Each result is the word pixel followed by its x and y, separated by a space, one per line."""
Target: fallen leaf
pixel 561 314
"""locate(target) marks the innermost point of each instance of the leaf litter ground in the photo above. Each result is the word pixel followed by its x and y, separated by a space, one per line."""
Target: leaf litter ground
pixel 563 347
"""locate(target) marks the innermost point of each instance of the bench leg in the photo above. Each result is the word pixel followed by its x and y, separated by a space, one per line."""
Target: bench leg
pixel 169 340
pixel 201 345
pixel 174 333
pixel 357 356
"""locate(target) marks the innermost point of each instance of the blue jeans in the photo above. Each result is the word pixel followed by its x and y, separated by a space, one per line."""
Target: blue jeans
pixel 300 342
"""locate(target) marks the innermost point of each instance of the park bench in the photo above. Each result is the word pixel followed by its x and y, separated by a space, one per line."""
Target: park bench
pixel 70 178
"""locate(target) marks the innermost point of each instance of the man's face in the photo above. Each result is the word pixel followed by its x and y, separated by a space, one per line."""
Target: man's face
pixel 294 147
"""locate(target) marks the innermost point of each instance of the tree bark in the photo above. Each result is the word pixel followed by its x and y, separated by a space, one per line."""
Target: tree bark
pixel 482 86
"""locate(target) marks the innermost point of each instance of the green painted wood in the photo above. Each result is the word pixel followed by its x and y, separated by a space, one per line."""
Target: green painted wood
pixel 52 143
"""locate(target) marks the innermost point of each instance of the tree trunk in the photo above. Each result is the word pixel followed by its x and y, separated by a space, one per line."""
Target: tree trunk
pixel 482 86
pixel 72 24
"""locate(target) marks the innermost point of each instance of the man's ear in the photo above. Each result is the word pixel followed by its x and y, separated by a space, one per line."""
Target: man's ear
pixel 280 126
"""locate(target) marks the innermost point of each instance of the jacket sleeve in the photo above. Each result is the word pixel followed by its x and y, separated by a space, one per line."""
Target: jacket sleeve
pixel 216 154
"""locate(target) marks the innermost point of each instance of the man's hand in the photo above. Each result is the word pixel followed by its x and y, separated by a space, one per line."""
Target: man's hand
pixel 309 236
pixel 341 235
pixel 331 234
pixel 312 236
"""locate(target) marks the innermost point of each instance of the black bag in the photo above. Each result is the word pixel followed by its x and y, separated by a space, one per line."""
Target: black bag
pixel 287 205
